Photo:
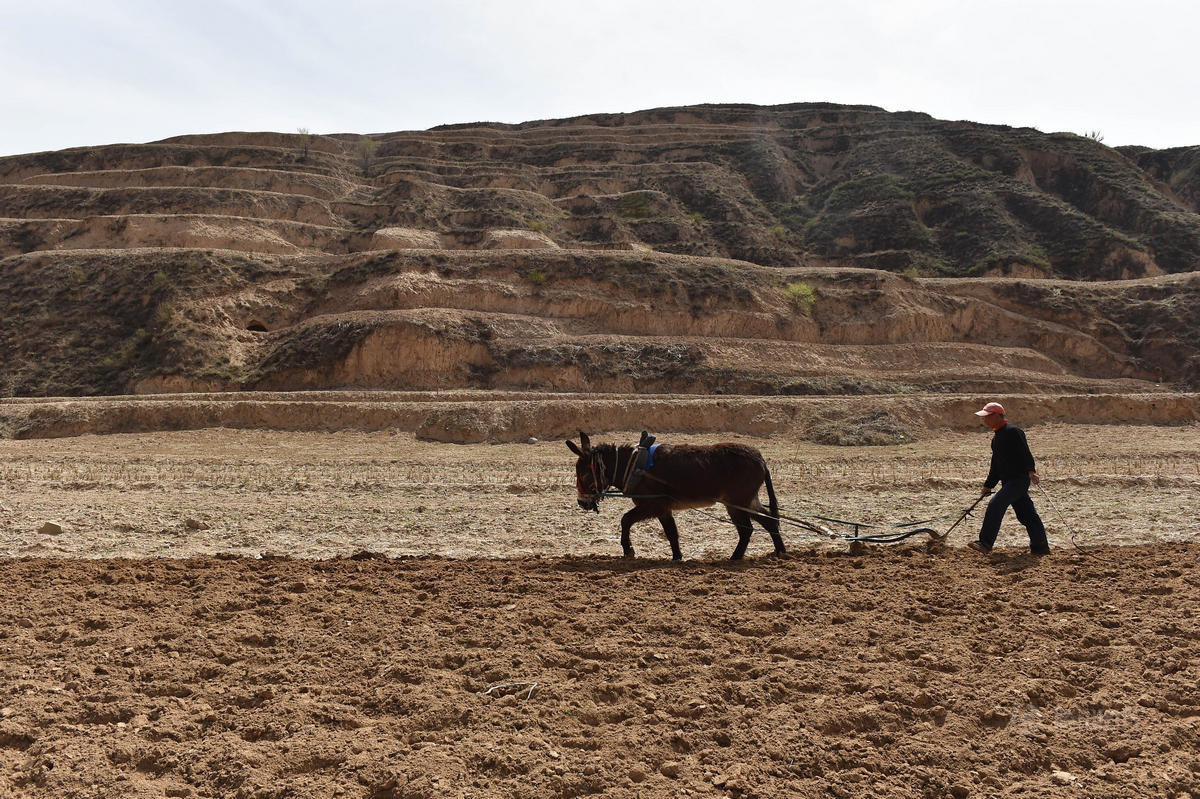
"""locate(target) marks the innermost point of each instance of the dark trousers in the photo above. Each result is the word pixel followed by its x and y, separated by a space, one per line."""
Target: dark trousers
pixel 1014 491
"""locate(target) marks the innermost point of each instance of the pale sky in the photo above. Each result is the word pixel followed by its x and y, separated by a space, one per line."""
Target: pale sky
pixel 90 72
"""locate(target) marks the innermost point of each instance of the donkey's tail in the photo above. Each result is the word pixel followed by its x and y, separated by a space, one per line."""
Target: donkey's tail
pixel 774 503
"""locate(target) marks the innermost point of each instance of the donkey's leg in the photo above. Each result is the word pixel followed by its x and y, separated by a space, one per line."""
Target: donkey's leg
pixel 741 520
pixel 672 533
pixel 770 524
pixel 633 516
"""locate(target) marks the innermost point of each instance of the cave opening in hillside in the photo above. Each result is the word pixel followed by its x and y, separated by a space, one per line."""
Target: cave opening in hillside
pixel 256 327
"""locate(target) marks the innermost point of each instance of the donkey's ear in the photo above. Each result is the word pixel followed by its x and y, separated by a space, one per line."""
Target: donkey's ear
pixel 584 440
pixel 571 446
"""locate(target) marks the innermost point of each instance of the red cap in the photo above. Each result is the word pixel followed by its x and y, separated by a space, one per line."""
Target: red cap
pixel 990 408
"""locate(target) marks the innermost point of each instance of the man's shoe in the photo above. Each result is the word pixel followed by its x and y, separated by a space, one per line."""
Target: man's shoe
pixel 979 546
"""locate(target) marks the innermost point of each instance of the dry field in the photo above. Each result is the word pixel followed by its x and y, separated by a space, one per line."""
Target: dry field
pixel 266 614
pixel 321 495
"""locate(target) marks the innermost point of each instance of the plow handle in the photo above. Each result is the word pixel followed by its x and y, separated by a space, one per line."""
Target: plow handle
pixel 965 514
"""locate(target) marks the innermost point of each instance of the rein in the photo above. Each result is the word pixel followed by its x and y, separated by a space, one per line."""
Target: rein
pixel 1070 529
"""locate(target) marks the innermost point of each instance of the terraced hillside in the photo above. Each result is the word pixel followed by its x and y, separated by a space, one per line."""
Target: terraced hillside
pixel 790 250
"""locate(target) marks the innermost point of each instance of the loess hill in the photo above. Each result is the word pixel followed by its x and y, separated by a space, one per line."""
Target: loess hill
pixel 792 250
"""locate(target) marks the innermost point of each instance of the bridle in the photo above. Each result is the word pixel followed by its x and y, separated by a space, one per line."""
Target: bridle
pixel 602 481
pixel 597 468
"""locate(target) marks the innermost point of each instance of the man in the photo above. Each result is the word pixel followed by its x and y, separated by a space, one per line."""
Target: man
pixel 1012 467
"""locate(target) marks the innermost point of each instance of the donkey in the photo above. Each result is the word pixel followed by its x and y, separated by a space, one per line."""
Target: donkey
pixel 682 476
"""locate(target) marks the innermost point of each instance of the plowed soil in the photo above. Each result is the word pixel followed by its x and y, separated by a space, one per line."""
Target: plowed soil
pixel 365 615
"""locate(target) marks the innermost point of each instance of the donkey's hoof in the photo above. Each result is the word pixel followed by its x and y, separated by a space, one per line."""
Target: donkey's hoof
pixel 628 553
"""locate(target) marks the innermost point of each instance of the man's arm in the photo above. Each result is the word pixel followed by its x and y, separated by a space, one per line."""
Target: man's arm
pixel 1028 458
pixel 993 475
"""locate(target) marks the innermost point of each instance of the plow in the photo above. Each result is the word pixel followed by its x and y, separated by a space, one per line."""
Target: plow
pixel 850 532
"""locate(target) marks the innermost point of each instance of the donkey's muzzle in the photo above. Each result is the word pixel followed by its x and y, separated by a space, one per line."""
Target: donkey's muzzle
pixel 589 503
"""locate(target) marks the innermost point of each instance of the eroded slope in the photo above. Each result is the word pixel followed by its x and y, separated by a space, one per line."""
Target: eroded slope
pixel 149 320
pixel 706 250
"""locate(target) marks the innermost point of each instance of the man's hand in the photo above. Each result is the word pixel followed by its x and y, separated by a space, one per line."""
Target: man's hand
pixel 1033 478
pixel 986 491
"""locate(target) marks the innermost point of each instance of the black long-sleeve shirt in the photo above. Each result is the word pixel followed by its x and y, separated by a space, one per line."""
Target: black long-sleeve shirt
pixel 1010 455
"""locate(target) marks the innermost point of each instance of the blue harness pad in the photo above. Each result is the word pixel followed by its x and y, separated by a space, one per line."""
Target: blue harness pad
pixel 650 456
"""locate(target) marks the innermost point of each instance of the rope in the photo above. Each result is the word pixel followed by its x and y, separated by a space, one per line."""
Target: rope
pixel 878 538
pixel 887 538
pixel 1070 530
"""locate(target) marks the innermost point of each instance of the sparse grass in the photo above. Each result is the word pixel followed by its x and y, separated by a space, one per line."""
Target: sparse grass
pixel 127 350
pixel 848 430
pixel 635 205
pixel 852 194
pixel 164 314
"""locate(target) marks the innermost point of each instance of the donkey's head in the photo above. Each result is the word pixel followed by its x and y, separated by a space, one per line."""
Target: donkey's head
pixel 589 468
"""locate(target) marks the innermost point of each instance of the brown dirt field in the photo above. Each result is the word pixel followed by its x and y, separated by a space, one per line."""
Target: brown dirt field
pixel 898 673
pixel 426 574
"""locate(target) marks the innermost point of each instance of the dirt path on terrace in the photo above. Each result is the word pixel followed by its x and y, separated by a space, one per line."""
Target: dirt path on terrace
pixel 900 673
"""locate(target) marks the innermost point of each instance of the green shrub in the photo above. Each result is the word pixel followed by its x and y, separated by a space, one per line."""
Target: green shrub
pixel 779 232
pixel 305 138
pixel 537 277
pixel 366 155
pixel 800 296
